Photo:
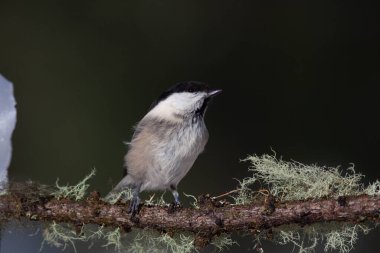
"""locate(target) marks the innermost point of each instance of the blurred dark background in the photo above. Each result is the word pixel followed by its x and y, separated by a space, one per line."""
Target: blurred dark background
pixel 300 77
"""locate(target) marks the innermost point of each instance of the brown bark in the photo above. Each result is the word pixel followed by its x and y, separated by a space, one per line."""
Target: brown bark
pixel 212 216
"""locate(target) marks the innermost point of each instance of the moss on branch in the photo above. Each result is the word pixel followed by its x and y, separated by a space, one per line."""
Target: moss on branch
pixel 301 195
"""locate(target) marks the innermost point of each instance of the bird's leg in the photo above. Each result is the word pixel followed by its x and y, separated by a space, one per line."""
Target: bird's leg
pixel 176 205
pixel 173 188
pixel 135 201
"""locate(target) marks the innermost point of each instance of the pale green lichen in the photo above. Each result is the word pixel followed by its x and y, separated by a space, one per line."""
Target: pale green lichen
pixel 223 242
pixel 373 189
pixel 288 181
pixel 297 240
pixel 113 197
pixel 152 201
pixel 344 238
pixel 126 194
pixel 340 237
pixel 178 244
pixel 61 236
pixel 195 200
pixel 245 192
pixel 94 234
pixel 76 192
pixel 161 201
pixel 140 240
pixel 297 181
pixel 113 239
pixel 153 242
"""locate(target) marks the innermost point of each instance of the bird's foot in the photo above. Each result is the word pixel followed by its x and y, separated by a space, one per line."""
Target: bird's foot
pixel 134 206
pixel 174 207
pixel 177 204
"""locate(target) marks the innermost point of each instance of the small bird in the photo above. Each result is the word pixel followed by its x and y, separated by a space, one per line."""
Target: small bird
pixel 167 141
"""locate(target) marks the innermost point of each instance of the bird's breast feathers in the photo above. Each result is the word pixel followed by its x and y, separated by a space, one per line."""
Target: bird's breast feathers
pixel 168 154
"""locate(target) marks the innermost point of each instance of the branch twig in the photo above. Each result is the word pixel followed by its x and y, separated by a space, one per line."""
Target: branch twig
pixel 211 216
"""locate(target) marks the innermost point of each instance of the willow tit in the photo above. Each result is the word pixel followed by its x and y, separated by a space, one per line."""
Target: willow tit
pixel 167 141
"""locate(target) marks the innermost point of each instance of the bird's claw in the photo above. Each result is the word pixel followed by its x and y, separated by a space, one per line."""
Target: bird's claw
pixel 134 206
pixel 174 206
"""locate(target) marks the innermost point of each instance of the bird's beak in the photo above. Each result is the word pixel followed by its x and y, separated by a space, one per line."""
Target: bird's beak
pixel 214 92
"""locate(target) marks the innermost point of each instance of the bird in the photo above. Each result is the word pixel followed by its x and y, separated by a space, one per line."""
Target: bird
pixel 167 141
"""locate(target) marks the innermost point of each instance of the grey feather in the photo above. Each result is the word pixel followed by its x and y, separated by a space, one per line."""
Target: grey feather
pixel 167 141
pixel 162 152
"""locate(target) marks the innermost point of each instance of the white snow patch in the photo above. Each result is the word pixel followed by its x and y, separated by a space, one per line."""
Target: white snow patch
pixel 7 125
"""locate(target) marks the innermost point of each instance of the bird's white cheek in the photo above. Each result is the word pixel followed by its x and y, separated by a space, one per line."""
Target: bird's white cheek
pixel 177 105
pixel 165 111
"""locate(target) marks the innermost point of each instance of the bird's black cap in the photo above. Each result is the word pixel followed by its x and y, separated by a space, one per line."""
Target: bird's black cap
pixel 188 86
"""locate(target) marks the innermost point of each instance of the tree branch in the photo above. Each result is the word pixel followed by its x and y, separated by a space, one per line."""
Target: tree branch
pixel 212 216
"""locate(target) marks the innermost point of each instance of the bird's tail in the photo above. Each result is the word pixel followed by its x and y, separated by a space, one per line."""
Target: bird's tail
pixel 124 184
